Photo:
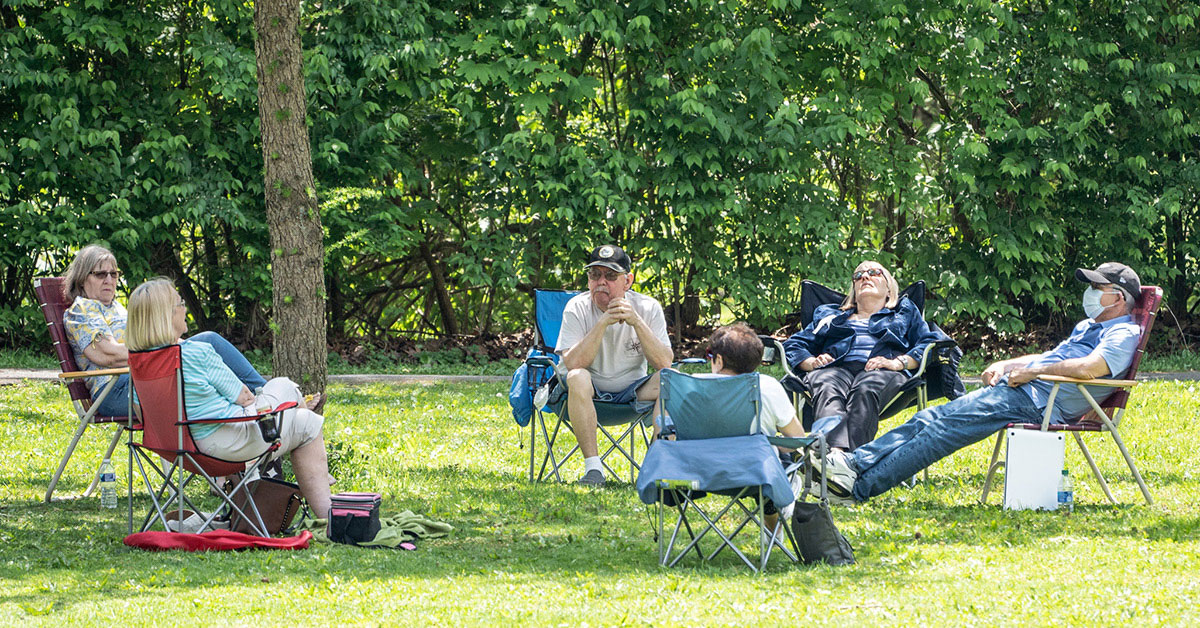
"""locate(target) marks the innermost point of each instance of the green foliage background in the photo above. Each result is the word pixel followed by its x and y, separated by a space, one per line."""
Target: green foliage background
pixel 467 151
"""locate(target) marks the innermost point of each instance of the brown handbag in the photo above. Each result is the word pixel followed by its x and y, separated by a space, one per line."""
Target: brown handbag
pixel 277 501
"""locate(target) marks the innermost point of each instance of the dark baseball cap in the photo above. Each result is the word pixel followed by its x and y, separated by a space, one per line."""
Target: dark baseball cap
pixel 1115 273
pixel 610 256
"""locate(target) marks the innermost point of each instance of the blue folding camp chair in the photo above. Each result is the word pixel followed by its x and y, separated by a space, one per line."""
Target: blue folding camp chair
pixel 542 391
pixel 719 449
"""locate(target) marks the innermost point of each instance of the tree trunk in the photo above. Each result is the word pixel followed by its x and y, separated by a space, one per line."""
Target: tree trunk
pixel 297 252
pixel 440 292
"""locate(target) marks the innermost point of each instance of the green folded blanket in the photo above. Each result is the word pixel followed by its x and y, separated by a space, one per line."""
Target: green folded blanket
pixel 393 529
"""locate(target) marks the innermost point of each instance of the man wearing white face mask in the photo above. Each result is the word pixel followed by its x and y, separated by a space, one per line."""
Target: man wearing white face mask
pixel 1101 345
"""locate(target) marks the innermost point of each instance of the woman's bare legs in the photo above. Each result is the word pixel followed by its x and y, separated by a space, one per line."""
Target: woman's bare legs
pixel 311 467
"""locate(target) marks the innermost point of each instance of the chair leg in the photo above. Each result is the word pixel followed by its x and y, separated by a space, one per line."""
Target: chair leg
pixel 632 453
pixel 1132 466
pixel 533 421
pixel 62 465
pixel 993 465
pixel 554 463
pixel 1087 455
pixel 112 446
pixel 615 445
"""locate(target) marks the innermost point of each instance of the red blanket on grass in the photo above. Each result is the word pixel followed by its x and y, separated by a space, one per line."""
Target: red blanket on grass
pixel 216 540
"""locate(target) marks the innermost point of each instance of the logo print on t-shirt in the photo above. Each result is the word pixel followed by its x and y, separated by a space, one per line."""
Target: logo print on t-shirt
pixel 633 346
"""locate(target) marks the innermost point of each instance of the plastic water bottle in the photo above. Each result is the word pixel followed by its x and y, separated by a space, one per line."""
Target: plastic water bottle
pixel 1066 492
pixel 108 485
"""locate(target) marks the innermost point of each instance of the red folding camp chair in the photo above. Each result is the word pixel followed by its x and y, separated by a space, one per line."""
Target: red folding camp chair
pixel 54 303
pixel 1105 416
pixel 157 378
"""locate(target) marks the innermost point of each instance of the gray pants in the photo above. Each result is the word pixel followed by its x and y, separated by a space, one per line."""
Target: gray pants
pixel 854 395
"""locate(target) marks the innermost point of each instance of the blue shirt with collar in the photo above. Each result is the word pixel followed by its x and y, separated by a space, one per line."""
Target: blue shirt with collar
pixel 1116 341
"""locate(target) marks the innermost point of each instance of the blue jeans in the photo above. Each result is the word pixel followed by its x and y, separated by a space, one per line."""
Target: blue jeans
pixel 232 358
pixel 934 433
pixel 117 401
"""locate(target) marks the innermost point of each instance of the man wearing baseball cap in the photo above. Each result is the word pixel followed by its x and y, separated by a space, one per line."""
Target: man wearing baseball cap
pixel 609 335
pixel 1100 346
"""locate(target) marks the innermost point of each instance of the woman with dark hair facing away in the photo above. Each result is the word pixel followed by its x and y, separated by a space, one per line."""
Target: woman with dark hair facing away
pixel 735 349
pixel 855 357
pixel 157 318
pixel 95 327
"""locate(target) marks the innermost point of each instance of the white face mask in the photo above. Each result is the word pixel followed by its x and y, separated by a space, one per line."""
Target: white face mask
pixel 1091 302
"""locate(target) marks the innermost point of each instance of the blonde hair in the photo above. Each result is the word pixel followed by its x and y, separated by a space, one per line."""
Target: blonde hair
pixel 893 294
pixel 86 260
pixel 151 306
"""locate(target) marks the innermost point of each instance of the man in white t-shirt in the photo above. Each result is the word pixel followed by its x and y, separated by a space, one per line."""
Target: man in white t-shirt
pixel 609 335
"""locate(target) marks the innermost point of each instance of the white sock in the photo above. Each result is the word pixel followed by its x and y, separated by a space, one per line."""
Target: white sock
pixel 592 463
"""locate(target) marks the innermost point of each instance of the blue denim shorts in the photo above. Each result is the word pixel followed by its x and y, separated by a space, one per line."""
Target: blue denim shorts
pixel 627 395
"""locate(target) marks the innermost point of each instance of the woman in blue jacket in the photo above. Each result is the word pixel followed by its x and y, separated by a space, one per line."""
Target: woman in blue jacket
pixel 854 358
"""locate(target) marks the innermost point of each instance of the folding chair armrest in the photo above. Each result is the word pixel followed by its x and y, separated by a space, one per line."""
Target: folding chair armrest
pixel 539 360
pixel 97 373
pixel 232 419
pixel 792 442
pixel 287 405
pixel 689 361
pixel 781 354
pixel 929 349
pixel 1111 383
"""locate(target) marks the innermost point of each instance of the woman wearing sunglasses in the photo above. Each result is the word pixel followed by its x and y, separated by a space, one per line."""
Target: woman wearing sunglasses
pixel 95 326
pixel 853 357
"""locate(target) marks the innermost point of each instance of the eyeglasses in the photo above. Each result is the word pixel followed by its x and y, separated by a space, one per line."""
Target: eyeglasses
pixel 106 274
pixel 870 272
pixel 709 355
pixel 596 274
pixel 181 304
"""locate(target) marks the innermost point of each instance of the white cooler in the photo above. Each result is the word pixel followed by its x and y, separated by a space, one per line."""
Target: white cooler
pixel 1032 468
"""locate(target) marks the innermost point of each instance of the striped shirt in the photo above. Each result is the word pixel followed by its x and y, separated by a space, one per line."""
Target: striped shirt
pixel 210 389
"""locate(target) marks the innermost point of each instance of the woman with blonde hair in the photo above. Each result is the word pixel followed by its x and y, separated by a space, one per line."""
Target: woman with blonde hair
pixel 95 326
pixel 157 318
pixel 854 356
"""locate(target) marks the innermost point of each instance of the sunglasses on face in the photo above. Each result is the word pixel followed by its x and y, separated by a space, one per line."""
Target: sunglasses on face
pixel 106 274
pixel 596 274
pixel 870 272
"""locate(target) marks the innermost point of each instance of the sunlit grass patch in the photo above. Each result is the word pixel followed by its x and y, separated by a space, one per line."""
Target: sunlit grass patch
pixel 554 554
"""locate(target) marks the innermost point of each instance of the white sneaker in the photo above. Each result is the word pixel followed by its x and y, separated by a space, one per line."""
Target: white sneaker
pixel 839 474
pixel 193 522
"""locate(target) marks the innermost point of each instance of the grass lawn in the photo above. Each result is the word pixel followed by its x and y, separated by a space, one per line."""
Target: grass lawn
pixel 556 554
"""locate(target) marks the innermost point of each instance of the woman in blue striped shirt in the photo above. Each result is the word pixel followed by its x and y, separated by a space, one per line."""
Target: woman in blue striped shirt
pixel 157 318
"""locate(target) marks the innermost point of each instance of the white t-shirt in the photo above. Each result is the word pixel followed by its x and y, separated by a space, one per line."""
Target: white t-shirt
pixel 777 409
pixel 620 360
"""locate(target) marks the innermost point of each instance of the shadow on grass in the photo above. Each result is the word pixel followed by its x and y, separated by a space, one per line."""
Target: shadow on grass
pixel 531 532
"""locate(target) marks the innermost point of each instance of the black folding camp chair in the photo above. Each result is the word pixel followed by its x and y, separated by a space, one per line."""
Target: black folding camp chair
pixel 936 375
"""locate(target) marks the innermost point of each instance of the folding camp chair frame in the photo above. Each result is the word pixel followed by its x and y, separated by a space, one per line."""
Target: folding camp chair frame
pixel 185 464
pixel 86 408
pixel 683 499
pixel 1108 413
pixel 916 292
pixel 618 415
pixel 681 496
